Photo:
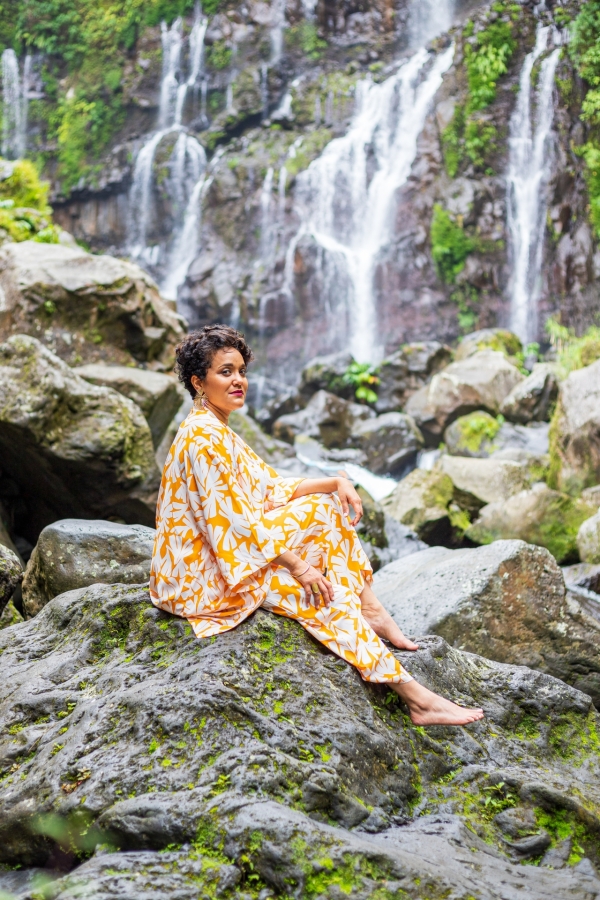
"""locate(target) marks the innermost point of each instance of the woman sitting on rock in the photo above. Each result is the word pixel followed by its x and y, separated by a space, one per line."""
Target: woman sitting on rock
pixel 232 535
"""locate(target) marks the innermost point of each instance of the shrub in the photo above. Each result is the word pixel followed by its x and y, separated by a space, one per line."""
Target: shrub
pixel 450 245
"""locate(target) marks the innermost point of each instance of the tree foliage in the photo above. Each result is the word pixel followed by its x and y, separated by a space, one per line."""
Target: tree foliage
pixel 450 245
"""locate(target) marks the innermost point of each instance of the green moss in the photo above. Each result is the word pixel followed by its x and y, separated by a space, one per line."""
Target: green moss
pixel 475 428
pixel 305 36
pixel 575 738
pixel 312 146
pixel 573 352
pixel 450 245
pixel 218 55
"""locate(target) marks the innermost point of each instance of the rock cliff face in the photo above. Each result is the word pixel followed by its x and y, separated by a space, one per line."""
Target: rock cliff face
pixel 279 87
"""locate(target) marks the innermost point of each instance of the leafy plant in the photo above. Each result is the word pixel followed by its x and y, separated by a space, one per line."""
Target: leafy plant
pixel 573 352
pixel 450 245
pixel 363 378
pixel 219 55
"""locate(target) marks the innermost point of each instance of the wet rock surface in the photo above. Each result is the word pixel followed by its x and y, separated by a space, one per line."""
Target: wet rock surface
pixel 480 381
pixel 506 600
pixel 390 442
pixel 69 448
pixel 254 758
pixel 84 306
pixel 404 372
pixel 575 431
pixel 533 399
pixel 74 553
pixel 158 395
pixel 540 516
pixel 326 418
pixel 11 575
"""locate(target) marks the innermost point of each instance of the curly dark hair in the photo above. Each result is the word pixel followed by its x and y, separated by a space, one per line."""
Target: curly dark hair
pixel 194 354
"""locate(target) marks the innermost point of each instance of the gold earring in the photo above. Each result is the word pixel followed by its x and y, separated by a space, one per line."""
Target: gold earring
pixel 199 400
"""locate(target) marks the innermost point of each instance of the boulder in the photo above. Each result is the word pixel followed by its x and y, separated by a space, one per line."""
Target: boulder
pixel 282 404
pixel 390 442
pixel 74 553
pixel 539 516
pixel 157 395
pixel 326 373
pixel 487 480
pixel 382 537
pixel 575 432
pixel 533 399
pixel 11 575
pixel 499 339
pixel 172 750
pixel 481 381
pixel 407 370
pixel 480 435
pixel 506 600
pixel 326 418
pixel 69 448
pixel 421 502
pixel 268 448
pixel 85 307
pixel 10 616
pixel 588 540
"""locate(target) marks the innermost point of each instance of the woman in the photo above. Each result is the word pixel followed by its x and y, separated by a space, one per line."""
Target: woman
pixel 232 535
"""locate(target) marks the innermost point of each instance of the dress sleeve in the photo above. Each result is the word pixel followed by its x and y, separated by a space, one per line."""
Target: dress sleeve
pixel 241 544
pixel 279 490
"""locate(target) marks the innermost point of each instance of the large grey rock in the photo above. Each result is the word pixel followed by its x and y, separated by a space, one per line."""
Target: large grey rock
pixel 480 435
pixel 283 403
pixel 74 553
pixel 488 480
pixel 11 575
pixel 575 431
pixel 407 370
pixel 506 600
pixel 533 399
pixel 157 395
pixel 539 516
pixel 173 749
pixel 421 501
pixel 588 540
pixel 326 373
pixel 71 449
pixel 481 381
pixel 499 339
pixel 326 418
pixel 109 309
pixel 390 442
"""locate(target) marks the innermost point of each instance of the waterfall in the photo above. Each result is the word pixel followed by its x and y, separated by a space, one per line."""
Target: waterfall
pixel 187 164
pixel 529 170
pixel 14 104
pixel 428 18
pixel 345 199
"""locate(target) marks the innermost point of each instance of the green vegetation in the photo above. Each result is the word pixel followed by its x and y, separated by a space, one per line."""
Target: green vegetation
pixel 363 378
pixel 305 36
pixel 218 56
pixel 487 54
pixel 450 245
pixel 87 46
pixel 24 211
pixel 476 428
pixel 585 52
pixel 573 352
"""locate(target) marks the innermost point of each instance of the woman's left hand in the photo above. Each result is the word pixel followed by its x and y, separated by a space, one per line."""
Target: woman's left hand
pixel 349 497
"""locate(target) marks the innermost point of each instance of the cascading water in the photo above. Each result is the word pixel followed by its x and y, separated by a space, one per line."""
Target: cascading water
pixel 529 170
pixel 187 164
pixel 15 91
pixel 345 198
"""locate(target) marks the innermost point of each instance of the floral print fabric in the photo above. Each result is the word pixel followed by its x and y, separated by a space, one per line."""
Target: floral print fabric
pixel 224 515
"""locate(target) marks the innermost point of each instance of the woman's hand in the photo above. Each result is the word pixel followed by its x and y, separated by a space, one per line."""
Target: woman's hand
pixel 349 497
pixel 313 577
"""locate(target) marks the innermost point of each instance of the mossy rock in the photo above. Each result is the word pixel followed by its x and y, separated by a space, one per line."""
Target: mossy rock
pixel 500 339
pixel 473 434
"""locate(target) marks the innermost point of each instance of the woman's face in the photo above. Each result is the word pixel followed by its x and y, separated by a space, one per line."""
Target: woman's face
pixel 226 382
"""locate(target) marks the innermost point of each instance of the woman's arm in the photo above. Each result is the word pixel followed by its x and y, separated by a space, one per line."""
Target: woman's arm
pixel 345 490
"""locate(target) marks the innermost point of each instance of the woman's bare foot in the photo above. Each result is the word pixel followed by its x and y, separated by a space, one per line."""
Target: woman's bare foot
pixel 427 708
pixel 381 622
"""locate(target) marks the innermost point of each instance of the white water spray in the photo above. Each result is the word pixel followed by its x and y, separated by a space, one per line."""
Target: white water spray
pixel 187 164
pixel 345 199
pixel 529 170
pixel 15 91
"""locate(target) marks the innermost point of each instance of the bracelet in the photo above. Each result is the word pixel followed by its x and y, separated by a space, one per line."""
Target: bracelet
pixel 302 573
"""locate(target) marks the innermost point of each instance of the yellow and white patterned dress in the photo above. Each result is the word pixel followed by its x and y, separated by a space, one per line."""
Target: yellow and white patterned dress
pixel 224 515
